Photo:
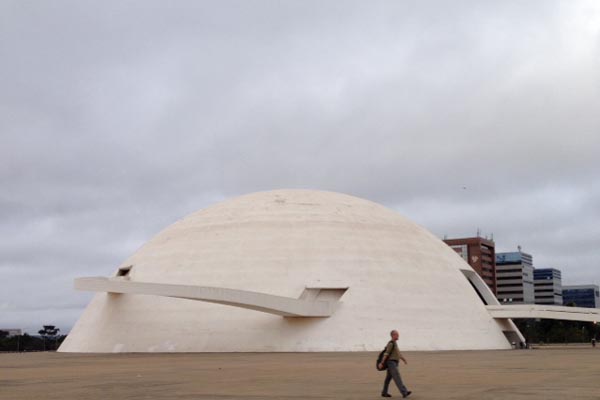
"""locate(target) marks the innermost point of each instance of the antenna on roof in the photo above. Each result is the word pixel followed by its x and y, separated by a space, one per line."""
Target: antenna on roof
pixel 478 232
pixel 519 248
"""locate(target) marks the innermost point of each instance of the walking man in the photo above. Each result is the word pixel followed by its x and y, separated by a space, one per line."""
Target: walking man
pixel 391 357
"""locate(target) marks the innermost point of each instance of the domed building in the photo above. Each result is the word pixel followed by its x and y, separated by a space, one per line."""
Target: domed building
pixel 290 271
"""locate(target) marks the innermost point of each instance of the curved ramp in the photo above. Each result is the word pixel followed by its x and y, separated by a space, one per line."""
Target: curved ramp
pixel 313 302
pixel 544 312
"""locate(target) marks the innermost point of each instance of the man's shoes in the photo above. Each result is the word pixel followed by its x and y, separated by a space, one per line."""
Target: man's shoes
pixel 407 394
pixel 386 395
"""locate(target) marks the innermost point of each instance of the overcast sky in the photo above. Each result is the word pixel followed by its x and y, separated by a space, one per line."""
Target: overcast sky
pixel 119 117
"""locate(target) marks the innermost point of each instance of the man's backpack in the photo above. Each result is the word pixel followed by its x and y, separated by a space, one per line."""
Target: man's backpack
pixel 380 357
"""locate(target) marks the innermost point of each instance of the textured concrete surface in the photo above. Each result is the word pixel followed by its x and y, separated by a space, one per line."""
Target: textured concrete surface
pixel 565 373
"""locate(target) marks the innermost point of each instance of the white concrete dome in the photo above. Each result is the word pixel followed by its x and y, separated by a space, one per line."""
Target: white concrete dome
pixel 398 275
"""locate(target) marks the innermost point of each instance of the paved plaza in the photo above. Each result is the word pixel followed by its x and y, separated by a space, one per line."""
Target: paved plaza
pixel 549 373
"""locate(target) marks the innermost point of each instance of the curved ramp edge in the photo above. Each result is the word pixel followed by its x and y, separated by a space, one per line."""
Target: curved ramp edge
pixel 313 302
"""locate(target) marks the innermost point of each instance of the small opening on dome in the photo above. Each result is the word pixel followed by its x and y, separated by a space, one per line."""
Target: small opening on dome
pixel 124 271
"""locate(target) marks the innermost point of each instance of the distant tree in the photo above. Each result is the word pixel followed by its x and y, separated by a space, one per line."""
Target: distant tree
pixel 31 343
pixel 49 332
pixel 3 341
pixel 558 331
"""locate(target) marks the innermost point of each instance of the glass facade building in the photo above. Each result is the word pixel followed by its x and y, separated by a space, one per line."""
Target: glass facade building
pixel 587 296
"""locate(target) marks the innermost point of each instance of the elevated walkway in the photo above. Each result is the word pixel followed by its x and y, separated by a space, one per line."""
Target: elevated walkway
pixel 517 311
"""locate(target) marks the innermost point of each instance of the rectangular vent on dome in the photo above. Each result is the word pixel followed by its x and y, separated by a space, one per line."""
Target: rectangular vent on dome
pixel 124 271
pixel 323 293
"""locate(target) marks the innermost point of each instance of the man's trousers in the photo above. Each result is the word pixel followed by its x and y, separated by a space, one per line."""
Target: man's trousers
pixel 393 373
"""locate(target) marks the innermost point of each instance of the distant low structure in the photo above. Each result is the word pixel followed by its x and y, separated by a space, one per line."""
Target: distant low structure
pixel 587 296
pixel 12 331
